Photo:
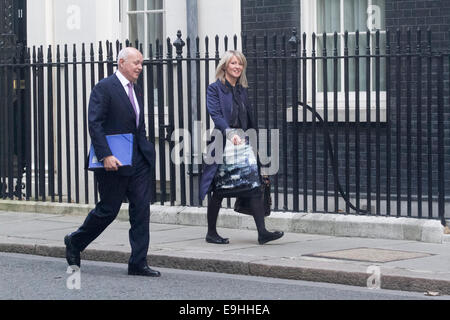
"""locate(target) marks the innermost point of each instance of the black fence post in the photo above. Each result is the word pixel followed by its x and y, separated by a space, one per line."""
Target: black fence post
pixel 151 112
pixel 67 127
pixel 75 125
pixel 398 64
pixel 266 94
pixel 8 151
pixel 255 82
pixel 408 121
pixel 275 114
pixel 304 114
pixel 347 117
pixel 41 124
pixel 109 58
pixel 293 42
pixel 440 123
pixel 284 119
pixel 357 125
pixel 92 65
pixel 429 125
pixel 170 126
pixel 179 44
pixel 325 119
pixel 85 120
pixel 35 127
pixel 19 120
pixel 368 122
pixel 27 112
pixel 59 123
pixel 378 125
pixel 199 154
pixel 50 131
pixel 161 121
pixel 388 123
pixel 419 122
pixel 3 134
pixel 208 121
pixel 190 111
pixel 313 124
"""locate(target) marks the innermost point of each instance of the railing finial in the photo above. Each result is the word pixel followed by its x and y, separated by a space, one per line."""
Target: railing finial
pixel 179 44
pixel 293 42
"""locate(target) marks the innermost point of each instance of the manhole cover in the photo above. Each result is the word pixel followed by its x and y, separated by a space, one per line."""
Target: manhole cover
pixel 369 255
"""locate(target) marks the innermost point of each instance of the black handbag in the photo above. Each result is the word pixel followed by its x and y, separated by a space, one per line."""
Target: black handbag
pixel 242 204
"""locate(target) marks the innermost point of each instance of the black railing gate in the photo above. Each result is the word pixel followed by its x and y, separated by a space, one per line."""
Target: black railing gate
pixel 359 128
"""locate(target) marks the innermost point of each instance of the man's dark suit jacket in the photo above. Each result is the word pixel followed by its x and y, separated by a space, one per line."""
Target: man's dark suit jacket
pixel 111 112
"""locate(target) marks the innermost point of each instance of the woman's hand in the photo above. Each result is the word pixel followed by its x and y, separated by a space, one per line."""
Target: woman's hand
pixel 236 140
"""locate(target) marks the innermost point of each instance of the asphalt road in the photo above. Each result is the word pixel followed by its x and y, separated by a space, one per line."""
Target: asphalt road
pixel 26 277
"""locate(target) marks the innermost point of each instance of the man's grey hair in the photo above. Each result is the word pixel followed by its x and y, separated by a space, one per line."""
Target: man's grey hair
pixel 124 53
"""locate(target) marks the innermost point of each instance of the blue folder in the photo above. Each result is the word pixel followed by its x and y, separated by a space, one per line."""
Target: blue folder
pixel 121 146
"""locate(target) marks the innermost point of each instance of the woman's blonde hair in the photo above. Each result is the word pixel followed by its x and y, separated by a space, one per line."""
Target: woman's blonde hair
pixel 223 64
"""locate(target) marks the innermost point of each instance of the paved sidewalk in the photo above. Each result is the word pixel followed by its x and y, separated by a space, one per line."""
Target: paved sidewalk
pixel 403 264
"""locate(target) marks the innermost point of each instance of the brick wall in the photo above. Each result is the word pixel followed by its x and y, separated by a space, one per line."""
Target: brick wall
pixel 269 16
pixel 423 14
pixel 279 16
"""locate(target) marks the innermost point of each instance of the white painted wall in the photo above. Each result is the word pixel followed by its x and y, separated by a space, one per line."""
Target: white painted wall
pixel 218 17
pixel 175 17
pixel 53 22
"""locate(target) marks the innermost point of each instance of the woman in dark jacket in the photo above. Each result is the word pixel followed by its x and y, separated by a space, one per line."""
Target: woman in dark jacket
pixel 228 105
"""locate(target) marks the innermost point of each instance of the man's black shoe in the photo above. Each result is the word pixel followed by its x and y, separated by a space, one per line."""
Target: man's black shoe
pixel 72 253
pixel 216 239
pixel 145 271
pixel 270 236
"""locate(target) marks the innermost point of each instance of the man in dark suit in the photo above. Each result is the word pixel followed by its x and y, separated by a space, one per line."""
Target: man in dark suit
pixel 116 106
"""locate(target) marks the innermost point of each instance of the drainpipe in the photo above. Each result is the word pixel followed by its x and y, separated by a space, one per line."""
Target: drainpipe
pixel 192 19
pixel 192 33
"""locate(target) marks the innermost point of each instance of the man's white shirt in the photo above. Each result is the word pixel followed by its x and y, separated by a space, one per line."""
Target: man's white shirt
pixel 124 81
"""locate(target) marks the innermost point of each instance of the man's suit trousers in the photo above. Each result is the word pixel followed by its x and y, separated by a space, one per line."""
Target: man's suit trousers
pixel 113 189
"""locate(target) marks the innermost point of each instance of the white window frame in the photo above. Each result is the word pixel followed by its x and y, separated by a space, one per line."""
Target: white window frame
pixel 125 35
pixel 126 24
pixel 309 25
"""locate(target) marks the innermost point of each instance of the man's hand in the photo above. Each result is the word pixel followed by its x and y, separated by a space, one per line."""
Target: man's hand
pixel 111 163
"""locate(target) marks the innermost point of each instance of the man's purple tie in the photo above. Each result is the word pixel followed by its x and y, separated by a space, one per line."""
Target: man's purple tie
pixel 131 96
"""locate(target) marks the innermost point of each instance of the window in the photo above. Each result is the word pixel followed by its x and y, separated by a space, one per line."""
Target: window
pixel 145 23
pixel 328 16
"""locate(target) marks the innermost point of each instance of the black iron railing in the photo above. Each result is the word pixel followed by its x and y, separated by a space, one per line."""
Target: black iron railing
pixel 361 125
